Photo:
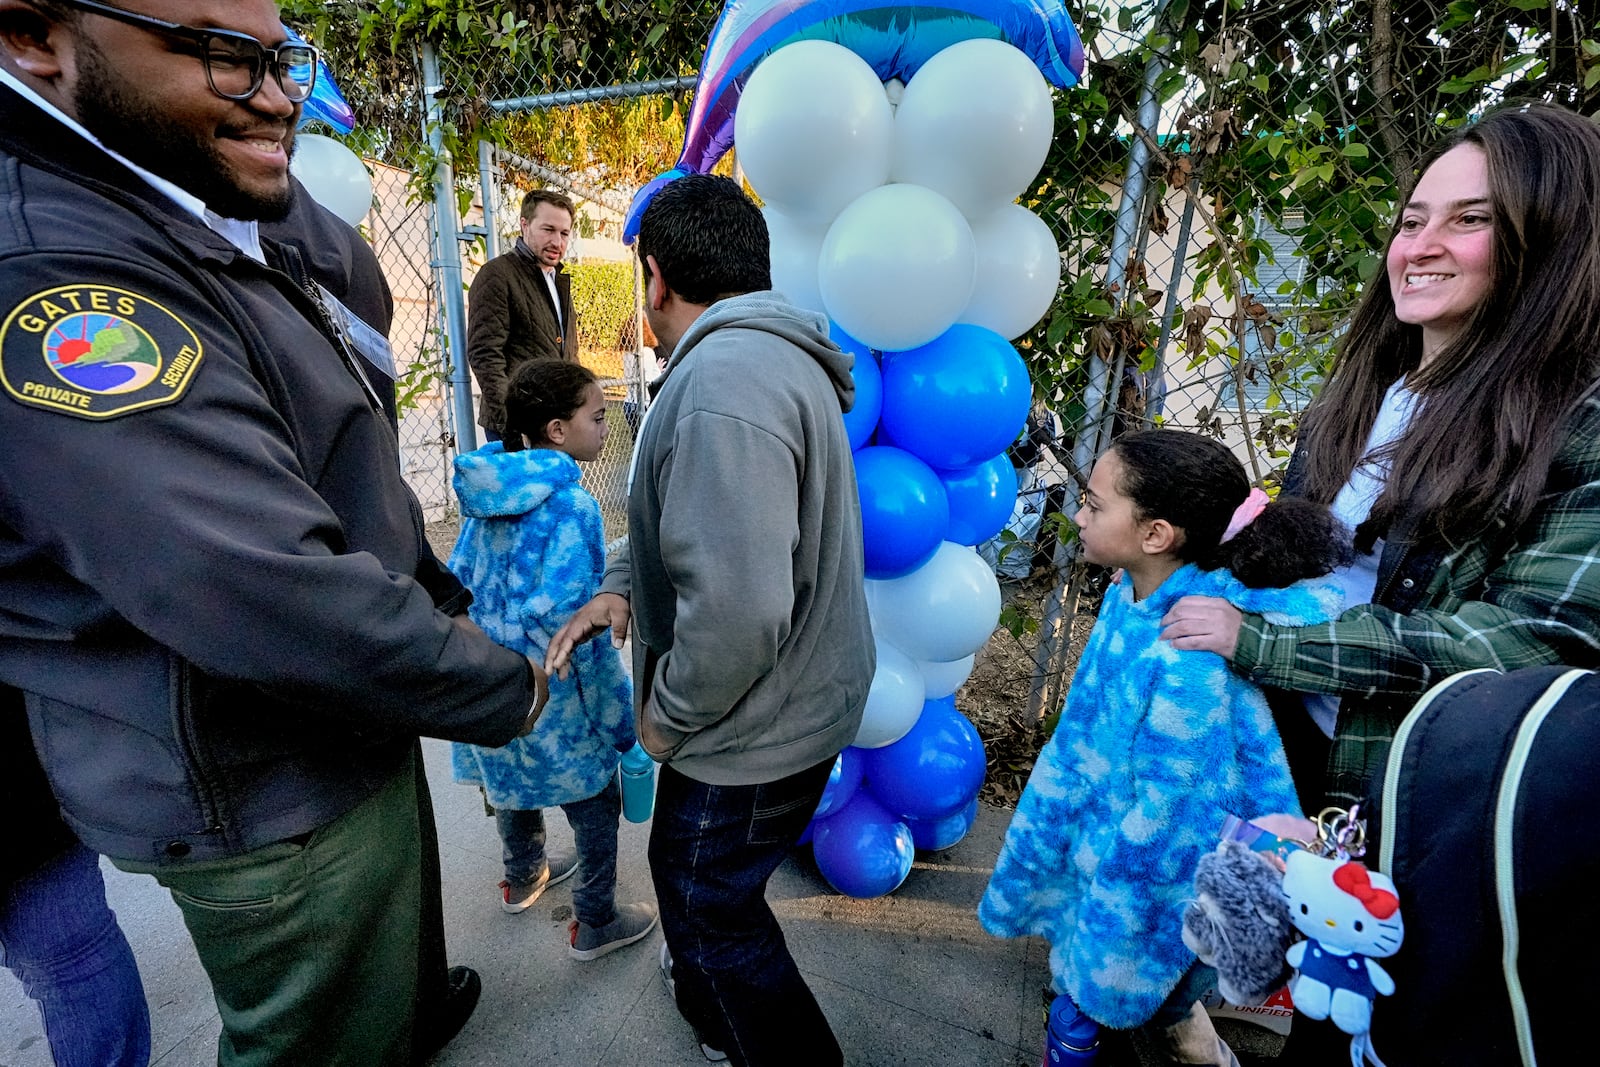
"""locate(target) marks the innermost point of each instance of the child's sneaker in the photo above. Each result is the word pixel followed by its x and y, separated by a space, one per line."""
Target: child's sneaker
pixel 518 897
pixel 630 923
pixel 715 1055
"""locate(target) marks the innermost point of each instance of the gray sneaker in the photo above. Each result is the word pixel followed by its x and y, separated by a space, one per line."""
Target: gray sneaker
pixel 715 1055
pixel 632 922
pixel 518 897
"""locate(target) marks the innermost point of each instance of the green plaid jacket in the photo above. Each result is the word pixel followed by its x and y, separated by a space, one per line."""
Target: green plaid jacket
pixel 1509 599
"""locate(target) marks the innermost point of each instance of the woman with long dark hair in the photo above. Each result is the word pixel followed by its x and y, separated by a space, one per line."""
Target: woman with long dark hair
pixel 1459 435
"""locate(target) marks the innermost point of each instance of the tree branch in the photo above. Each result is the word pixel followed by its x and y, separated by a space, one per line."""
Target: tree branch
pixel 1400 161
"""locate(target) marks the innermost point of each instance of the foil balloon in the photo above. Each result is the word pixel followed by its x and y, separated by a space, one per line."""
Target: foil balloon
pixel 326 103
pixel 895 39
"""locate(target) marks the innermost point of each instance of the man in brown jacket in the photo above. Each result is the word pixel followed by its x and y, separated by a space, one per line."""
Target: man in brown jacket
pixel 520 305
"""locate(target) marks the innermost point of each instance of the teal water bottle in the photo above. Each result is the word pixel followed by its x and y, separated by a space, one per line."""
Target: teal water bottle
pixel 1071 1038
pixel 638 774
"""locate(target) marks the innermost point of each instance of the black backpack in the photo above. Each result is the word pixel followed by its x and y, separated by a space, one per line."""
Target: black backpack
pixel 1487 824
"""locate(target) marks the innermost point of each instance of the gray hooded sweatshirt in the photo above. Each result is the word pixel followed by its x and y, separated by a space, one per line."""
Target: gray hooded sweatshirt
pixel 752 648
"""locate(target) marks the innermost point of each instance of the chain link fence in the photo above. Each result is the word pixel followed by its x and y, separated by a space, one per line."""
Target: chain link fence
pixel 400 229
pixel 608 299
pixel 1220 187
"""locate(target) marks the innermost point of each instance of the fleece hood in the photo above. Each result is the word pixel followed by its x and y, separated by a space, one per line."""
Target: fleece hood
pixel 491 482
pixel 770 312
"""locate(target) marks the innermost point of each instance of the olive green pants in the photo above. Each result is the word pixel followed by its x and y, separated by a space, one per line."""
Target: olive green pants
pixel 311 947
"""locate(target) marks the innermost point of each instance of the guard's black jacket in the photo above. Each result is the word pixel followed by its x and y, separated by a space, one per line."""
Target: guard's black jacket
pixel 206 546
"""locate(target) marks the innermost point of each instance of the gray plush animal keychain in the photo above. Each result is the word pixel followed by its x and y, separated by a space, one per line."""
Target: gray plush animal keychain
pixel 1239 923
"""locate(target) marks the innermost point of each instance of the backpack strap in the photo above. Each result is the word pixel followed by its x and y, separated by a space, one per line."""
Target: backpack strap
pixel 1397 759
pixel 1505 811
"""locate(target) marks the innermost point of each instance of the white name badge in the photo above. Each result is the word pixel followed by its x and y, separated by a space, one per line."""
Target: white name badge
pixel 372 345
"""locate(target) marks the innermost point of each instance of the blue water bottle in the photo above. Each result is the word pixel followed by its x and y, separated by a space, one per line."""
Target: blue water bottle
pixel 638 774
pixel 1071 1038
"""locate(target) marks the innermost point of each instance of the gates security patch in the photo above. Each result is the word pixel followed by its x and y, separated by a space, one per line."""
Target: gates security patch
pixel 95 351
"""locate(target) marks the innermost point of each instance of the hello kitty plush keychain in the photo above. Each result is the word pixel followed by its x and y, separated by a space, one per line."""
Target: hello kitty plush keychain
pixel 1351 917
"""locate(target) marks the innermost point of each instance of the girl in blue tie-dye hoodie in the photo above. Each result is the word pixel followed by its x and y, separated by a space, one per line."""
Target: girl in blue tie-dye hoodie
pixel 1155 745
pixel 532 551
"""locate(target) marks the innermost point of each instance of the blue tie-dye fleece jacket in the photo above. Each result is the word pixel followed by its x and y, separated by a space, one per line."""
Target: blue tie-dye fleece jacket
pixel 532 550
pixel 1155 746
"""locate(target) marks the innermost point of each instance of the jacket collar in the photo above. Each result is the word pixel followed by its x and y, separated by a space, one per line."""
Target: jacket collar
pixel 39 139
pixel 521 249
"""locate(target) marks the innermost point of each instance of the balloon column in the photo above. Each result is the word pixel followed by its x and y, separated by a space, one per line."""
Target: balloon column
pixel 891 208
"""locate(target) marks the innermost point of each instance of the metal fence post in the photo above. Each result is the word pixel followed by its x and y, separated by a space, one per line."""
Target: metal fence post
pixel 1180 259
pixel 1055 629
pixel 447 256
pixel 1099 401
pixel 486 183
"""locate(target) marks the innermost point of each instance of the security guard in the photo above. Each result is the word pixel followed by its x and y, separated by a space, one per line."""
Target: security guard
pixel 206 547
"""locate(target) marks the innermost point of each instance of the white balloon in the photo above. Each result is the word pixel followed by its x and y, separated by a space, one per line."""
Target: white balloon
pixel 795 248
pixel 871 585
pixel 894 701
pixel 1019 269
pixel 943 679
pixel 333 175
pixel 813 130
pixel 897 267
pixel 974 124
pixel 942 611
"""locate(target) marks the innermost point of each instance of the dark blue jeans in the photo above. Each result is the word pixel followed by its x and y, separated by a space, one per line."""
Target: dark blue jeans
pixel 594 832
pixel 712 850
pixel 63 943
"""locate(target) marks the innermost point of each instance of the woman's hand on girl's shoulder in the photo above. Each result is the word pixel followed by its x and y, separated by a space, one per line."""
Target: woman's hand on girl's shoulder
pixel 1204 624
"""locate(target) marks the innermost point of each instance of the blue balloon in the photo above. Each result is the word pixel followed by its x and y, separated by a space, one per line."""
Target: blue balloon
pixel 933 771
pixel 863 850
pixel 862 419
pixel 904 510
pixel 958 400
pixel 981 499
pixel 842 783
pixel 805 835
pixel 931 835
pixel 893 38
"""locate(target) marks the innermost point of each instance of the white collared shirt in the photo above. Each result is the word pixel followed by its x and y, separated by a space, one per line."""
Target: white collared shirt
pixel 243 234
pixel 555 297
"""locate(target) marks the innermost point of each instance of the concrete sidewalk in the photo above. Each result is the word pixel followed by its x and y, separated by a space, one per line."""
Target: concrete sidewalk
pixel 905 979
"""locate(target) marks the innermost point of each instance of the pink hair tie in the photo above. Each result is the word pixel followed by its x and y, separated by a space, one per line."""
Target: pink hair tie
pixel 1243 515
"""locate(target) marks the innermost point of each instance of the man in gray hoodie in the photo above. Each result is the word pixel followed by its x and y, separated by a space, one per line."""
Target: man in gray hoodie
pixel 742 579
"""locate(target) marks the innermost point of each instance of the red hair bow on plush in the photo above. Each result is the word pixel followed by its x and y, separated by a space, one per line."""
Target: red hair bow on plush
pixel 1354 879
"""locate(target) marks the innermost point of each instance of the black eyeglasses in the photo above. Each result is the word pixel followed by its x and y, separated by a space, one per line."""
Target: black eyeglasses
pixel 236 63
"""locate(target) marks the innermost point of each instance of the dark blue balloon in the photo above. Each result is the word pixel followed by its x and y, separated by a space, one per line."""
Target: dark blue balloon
pixel 981 499
pixel 934 770
pixel 863 850
pixel 931 835
pixel 904 510
pixel 862 419
pixel 805 835
pixel 842 782
pixel 958 400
